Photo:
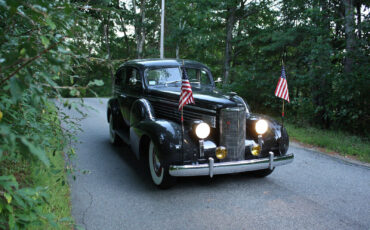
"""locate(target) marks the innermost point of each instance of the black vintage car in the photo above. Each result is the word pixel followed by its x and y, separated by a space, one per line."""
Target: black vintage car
pixel 220 135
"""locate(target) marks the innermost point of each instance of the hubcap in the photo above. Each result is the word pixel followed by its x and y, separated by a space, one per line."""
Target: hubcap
pixel 156 164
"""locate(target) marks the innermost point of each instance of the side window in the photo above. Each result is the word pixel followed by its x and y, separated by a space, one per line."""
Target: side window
pixel 204 77
pixel 199 76
pixel 120 78
pixel 192 74
pixel 133 77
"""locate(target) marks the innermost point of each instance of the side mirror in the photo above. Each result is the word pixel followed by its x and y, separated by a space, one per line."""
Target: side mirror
pixel 218 80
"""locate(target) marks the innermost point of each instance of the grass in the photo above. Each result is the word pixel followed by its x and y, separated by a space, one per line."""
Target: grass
pixel 332 141
pixel 55 180
pixel 51 180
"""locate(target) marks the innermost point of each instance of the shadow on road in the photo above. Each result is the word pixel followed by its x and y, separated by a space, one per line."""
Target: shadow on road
pixel 142 173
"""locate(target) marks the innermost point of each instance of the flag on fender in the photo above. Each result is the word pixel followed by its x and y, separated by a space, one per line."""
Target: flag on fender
pixel 186 96
pixel 282 87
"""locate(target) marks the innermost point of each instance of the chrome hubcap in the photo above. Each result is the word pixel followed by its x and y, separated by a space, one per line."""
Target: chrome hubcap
pixel 156 164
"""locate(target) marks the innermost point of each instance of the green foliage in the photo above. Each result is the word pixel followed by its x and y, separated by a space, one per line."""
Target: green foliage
pixel 40 50
pixel 340 142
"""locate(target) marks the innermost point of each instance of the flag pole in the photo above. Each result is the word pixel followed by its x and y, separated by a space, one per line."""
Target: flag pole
pixel 182 120
pixel 161 49
pixel 282 115
pixel 282 112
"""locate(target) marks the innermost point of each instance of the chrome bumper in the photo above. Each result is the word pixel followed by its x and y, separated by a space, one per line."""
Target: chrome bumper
pixel 230 167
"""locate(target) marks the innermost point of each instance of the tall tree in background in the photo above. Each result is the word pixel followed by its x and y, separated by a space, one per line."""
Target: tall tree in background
pixel 350 35
pixel 231 7
pixel 140 31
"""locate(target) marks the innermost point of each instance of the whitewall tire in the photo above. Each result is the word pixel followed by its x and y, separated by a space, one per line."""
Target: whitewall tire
pixel 158 172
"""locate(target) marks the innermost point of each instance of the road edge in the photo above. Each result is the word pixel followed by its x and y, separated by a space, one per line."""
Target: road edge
pixel 334 155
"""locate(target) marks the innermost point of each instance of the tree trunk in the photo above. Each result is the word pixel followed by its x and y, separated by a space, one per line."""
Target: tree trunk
pixel 230 21
pixel 125 35
pixel 177 50
pixel 181 27
pixel 350 35
pixel 142 29
pixel 107 43
pixel 139 28
pixel 358 9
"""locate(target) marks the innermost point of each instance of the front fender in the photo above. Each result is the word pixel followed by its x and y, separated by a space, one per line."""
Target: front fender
pixel 276 138
pixel 141 110
pixel 166 135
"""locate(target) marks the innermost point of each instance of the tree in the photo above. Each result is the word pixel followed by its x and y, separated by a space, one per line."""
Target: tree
pixel 350 35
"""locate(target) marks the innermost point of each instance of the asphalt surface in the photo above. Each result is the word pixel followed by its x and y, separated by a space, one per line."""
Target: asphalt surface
pixel 316 191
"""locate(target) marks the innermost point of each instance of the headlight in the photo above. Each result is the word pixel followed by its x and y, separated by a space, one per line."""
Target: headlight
pixel 202 130
pixel 261 126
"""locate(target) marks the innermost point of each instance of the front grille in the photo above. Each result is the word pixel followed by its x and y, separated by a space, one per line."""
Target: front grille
pixel 232 132
pixel 169 110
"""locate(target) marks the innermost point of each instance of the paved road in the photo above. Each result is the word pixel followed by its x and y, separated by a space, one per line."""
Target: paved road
pixel 314 192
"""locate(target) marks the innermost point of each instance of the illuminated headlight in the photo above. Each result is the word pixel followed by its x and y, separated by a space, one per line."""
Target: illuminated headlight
pixel 202 130
pixel 261 127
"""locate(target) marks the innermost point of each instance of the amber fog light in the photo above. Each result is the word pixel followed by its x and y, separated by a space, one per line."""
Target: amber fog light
pixel 256 150
pixel 221 152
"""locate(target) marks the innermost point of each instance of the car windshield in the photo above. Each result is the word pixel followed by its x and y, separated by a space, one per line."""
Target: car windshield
pixel 172 77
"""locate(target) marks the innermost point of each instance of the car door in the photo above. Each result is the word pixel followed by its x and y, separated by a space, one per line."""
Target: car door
pixel 133 90
pixel 121 91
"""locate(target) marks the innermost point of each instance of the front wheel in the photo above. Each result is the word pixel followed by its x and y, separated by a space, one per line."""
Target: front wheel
pixel 159 173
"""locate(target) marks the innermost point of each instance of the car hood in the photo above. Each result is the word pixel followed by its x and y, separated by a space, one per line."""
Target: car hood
pixel 209 98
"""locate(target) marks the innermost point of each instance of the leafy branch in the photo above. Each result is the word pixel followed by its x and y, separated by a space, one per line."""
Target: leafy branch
pixel 30 61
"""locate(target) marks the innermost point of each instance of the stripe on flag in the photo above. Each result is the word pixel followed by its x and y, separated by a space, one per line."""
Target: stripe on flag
pixel 186 96
pixel 282 87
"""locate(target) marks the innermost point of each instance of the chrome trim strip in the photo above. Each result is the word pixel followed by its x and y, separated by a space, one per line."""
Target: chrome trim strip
pixel 235 109
pixel 201 148
pixel 229 167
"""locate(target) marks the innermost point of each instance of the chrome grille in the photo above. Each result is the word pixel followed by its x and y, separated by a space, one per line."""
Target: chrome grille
pixel 170 111
pixel 232 132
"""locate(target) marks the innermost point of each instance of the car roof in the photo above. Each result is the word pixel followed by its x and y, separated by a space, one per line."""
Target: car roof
pixel 157 62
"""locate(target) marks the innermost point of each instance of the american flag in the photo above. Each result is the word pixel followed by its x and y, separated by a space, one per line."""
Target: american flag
pixel 186 96
pixel 282 87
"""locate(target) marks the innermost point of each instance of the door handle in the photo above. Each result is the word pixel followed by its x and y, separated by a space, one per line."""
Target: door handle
pixel 123 96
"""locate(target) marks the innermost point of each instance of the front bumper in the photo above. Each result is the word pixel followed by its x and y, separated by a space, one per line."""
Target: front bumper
pixel 230 167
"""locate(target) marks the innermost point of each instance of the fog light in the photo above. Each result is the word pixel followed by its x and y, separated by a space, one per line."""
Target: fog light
pixel 256 150
pixel 221 152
